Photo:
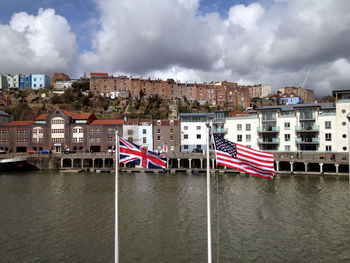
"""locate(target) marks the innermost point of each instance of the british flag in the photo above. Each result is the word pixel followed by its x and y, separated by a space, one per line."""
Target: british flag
pixel 133 154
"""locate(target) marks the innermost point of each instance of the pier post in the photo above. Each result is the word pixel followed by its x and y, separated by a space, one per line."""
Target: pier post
pixel 321 168
pixel 306 167
pixel 93 163
pixel 82 163
pixel 72 163
pixel 277 166
pixel 178 163
pixel 201 160
pixel 61 162
pixel 291 167
pixel 167 163
pixel 190 163
pixel 213 163
pixel 337 168
pixel 104 163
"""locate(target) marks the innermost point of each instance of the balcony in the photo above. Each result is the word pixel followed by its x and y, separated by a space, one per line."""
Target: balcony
pixel 219 130
pixel 314 128
pixel 268 140
pixel 268 129
pixel 307 140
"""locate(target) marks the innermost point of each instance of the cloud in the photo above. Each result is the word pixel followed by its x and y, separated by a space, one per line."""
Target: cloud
pixel 274 42
pixel 37 44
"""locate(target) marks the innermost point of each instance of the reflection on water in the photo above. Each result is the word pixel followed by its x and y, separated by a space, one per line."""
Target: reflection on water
pixel 53 217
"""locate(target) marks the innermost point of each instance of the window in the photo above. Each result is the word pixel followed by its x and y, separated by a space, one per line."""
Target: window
pixel 198 136
pixel 328 148
pixel 239 127
pixel 328 136
pixel 171 130
pixel 158 138
pixel 158 122
pixel 287 125
pixel 327 125
pixel 248 137
pixel 144 131
pixel 186 147
pixel 158 131
pixel 344 136
pixel 198 128
pixel 287 148
pixel 144 140
pixel 130 139
pixel 185 128
pixel 130 132
pixel 171 137
pixel 110 139
pixel 247 127
pixel 185 136
pixel 287 137
pixel 239 137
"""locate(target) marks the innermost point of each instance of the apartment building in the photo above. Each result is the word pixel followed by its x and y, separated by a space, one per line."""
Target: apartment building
pixel 139 132
pixel 320 127
pixel 59 77
pixel 25 82
pixel 60 130
pixel 40 81
pixel 166 136
pixel 193 130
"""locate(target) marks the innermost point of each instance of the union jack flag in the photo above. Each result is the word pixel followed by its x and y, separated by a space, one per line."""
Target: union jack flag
pixel 134 154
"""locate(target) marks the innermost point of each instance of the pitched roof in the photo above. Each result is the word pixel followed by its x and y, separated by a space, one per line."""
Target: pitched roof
pixel 41 117
pixel 19 123
pixel 105 122
pixel 77 116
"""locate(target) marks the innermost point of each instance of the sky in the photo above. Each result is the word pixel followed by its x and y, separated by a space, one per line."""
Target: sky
pixel 276 42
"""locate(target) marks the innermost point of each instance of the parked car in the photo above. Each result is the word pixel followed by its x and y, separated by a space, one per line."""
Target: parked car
pixel 2 152
pixel 31 152
pixel 67 151
pixel 45 152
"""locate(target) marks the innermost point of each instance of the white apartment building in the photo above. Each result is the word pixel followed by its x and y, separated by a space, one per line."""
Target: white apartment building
pixel 318 127
pixel 139 132
pixel 193 132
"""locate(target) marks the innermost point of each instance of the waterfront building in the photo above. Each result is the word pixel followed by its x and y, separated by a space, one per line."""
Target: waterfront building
pixel 166 136
pixel 25 81
pixel 193 133
pixel 320 127
pixel 60 130
pixel 40 81
pixel 139 132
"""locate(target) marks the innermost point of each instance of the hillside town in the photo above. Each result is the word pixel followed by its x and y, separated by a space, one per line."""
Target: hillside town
pixel 39 113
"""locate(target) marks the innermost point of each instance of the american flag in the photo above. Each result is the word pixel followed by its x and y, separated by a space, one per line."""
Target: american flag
pixel 134 154
pixel 243 158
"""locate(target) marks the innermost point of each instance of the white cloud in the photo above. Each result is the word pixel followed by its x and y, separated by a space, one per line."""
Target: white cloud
pixel 37 44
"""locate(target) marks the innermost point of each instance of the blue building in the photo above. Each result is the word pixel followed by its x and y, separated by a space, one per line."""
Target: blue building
pixel 40 81
pixel 290 100
pixel 25 82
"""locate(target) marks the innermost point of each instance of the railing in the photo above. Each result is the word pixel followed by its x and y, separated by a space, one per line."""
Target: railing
pixel 219 130
pixel 307 140
pixel 269 140
pixel 311 128
pixel 268 129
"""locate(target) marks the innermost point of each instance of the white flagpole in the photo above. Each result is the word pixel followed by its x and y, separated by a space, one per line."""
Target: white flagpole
pixel 116 227
pixel 208 197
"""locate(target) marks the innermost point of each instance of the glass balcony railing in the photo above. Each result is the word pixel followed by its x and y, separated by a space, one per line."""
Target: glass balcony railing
pixel 219 130
pixel 310 128
pixel 307 140
pixel 268 140
pixel 268 129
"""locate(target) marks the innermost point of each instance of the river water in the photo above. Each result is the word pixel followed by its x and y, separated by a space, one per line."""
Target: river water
pixel 53 217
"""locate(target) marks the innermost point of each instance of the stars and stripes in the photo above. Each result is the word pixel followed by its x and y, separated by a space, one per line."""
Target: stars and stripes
pixel 134 154
pixel 244 159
